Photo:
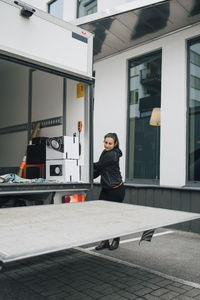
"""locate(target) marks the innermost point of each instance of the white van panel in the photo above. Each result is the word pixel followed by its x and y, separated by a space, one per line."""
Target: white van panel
pixel 45 40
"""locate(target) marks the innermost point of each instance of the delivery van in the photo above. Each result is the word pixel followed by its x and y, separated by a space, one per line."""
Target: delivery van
pixel 46 107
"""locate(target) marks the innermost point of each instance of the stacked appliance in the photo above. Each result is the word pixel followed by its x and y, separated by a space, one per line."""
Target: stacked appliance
pixel 62 159
pixel 35 159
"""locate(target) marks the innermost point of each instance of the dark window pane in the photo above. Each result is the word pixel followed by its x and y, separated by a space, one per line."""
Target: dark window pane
pixel 144 99
pixel 86 7
pixel 55 8
pixel 194 111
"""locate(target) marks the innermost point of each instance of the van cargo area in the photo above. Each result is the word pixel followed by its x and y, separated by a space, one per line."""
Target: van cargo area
pixel 28 96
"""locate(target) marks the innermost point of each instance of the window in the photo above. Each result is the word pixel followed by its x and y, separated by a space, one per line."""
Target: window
pixel 143 157
pixel 55 8
pixel 195 82
pixel 134 96
pixel 194 110
pixel 86 7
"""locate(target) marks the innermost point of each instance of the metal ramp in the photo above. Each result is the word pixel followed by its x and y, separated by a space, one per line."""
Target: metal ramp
pixel 34 230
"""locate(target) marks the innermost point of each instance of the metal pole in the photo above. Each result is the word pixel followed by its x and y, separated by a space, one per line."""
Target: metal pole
pixel 157 147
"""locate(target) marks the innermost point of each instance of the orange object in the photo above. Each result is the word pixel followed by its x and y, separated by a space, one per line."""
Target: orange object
pixel 22 165
pixel 80 125
pixel 34 171
pixel 74 198
pixel 115 187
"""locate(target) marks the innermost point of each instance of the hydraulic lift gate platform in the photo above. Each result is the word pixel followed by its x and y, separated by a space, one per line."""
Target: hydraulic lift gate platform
pixel 34 230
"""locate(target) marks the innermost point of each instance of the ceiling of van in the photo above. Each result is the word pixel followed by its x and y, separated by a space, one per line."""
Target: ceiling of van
pixel 125 30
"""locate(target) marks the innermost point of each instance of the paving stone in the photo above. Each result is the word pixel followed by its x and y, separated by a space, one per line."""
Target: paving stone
pixel 150 285
pixel 179 290
pixel 134 288
pixel 101 286
pixel 113 297
pixel 159 292
pixel 143 291
pixel 77 297
pixel 192 293
pixel 164 283
pixel 182 297
pixel 15 291
pixel 93 294
pixel 186 287
pixel 59 295
pixel 169 296
pixel 156 279
pixel 151 297
pixel 127 295
pixel 142 278
pixel 55 297
pixel 178 284
pixel 49 292
pixel 75 275
pixel 133 281
pixel 120 285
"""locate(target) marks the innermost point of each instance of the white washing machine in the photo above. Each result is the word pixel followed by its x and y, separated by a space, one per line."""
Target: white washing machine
pixel 63 170
pixel 62 147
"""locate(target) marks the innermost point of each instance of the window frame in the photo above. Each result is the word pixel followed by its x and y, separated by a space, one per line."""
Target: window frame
pixel 77 8
pixel 190 42
pixel 127 179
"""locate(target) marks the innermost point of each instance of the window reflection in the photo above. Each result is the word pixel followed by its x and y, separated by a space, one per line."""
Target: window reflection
pixel 55 8
pixel 194 111
pixel 143 139
pixel 86 7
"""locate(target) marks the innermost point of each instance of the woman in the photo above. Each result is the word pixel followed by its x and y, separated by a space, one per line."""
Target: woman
pixel 111 180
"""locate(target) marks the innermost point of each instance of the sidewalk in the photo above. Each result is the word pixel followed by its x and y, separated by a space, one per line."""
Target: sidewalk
pixel 78 275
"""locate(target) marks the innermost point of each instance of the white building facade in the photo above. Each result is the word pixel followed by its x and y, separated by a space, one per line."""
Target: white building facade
pixel 121 97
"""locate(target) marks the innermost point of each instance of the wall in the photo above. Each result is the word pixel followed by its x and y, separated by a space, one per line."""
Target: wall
pixel 14 108
pixel 69 7
pixel 77 110
pixel 69 10
pixel 174 105
pixel 111 102
pixel 38 4
pixel 105 4
pixel 47 100
pixel 75 113
pixel 120 4
pixel 14 92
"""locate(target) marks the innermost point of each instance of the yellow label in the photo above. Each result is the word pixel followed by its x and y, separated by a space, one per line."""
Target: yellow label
pixel 80 90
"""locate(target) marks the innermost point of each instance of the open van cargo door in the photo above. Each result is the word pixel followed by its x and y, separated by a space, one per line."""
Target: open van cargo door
pixel 45 40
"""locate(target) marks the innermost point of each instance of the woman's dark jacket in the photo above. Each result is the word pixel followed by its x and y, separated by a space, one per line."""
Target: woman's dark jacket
pixel 108 168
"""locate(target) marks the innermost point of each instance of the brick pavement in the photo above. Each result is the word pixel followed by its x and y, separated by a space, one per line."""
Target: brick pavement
pixel 75 275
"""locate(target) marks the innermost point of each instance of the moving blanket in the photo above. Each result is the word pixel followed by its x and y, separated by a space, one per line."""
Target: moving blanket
pixel 33 230
pixel 13 178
